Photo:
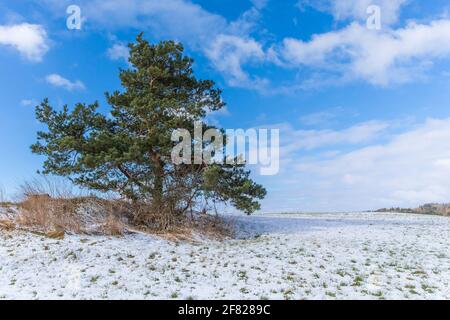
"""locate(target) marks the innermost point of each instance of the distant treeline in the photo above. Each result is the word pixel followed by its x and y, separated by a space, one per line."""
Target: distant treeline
pixel 430 208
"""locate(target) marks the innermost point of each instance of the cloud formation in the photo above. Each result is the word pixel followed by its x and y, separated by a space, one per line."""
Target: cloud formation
pixel 393 55
pixel 407 169
pixel 357 9
pixel 380 58
pixel 59 81
pixel 30 40
pixel 28 102
pixel 119 52
pixel 229 53
pixel 228 44
pixel 298 140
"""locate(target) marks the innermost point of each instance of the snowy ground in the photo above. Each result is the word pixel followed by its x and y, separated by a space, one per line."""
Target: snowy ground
pixel 305 256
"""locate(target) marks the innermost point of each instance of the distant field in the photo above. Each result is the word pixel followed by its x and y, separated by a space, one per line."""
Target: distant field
pixel 303 256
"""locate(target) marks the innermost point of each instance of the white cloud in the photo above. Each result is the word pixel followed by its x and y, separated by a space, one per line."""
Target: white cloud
pixel 259 4
pixel 179 19
pixel 228 53
pixel 380 58
pixel 28 102
pixel 185 21
pixel 357 9
pixel 59 81
pixel 119 52
pixel 234 47
pixel 29 39
pixel 323 117
pixel 407 169
pixel 296 140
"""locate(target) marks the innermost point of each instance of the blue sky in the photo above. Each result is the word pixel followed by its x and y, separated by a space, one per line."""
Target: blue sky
pixel 363 114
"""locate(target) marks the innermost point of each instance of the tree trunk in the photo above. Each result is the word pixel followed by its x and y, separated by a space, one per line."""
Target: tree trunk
pixel 161 209
pixel 158 186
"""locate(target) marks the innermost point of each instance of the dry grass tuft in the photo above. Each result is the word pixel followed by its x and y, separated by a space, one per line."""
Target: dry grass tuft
pixel 214 227
pixel 7 225
pixel 113 226
pixel 199 226
pixel 56 234
pixel 47 214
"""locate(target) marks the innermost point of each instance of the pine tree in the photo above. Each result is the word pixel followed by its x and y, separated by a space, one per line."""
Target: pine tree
pixel 129 151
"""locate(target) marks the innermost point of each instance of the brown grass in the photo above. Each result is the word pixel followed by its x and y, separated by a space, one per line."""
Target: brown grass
pixel 113 217
pixel 52 209
pixel 214 227
pixel 206 226
pixel 7 225
pixel 113 226
pixel 47 214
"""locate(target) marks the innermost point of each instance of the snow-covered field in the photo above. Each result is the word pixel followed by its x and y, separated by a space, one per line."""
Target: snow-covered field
pixel 304 256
